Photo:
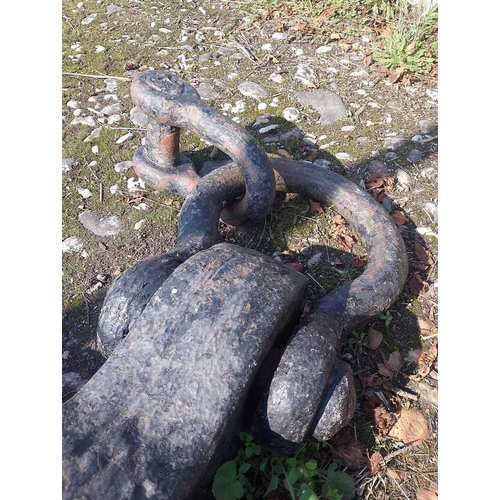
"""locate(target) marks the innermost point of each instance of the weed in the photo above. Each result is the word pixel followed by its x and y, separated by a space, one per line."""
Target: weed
pixel 299 475
pixel 357 342
pixel 386 317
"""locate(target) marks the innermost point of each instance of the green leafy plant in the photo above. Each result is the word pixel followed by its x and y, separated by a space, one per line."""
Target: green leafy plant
pixel 386 317
pixel 299 475
pixel 410 43
pixel 357 342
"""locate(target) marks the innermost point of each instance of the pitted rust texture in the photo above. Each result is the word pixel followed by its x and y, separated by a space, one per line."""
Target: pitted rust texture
pixel 165 410
pixel 180 106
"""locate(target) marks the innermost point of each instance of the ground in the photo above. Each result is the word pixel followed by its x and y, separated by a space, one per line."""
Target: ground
pixel 392 119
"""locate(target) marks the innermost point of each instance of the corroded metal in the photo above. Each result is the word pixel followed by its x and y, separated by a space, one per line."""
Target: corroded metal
pixel 154 346
pixel 169 101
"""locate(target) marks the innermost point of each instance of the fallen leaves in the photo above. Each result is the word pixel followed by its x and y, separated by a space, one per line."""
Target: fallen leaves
pixel 424 258
pixel 376 464
pixel 391 365
pixel 373 338
pixel 418 285
pixel 427 362
pixel 338 230
pixel 411 427
pixel 427 494
pixel 344 448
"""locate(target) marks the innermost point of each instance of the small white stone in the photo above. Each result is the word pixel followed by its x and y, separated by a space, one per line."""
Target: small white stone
pixel 173 291
pixel 267 47
pixel 99 48
pixel 72 104
pixel 262 106
pixel 142 206
pixel 237 119
pixel 77 112
pixel 365 39
pixel 324 49
pixel 291 114
pixel 123 166
pixel 361 92
pixel 135 185
pixel 279 36
pixel 93 163
pixel 72 244
pixel 264 130
pixel 114 189
pixel 89 19
pixel 124 138
pixel 95 149
pixel 297 51
pixel 348 128
pixel 153 24
pixel 114 119
pixel 344 156
pixel 322 137
pixel 84 193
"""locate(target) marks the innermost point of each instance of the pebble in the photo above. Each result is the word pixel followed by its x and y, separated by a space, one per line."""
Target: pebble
pixel 432 93
pixel 264 130
pixel 429 173
pixel 111 109
pixel 324 49
pixel 308 141
pixel 262 106
pixel 344 156
pixel 93 135
pixel 426 231
pixel 394 142
pixel 425 126
pixel 414 156
pixel 95 149
pixel 84 120
pixel 99 48
pixel 348 128
pixel 329 105
pixel 114 189
pixel 387 204
pixel 134 185
pixel 125 137
pixel 67 164
pixel 239 107
pixel 123 166
pixel 138 117
pixel 279 36
pixel 276 77
pixel 305 75
pixel 73 104
pixel 89 19
pixel 253 90
pixel 394 105
pixel 207 92
pixel 418 138
pixel 72 244
pixel 84 193
pixel 112 9
pixel 291 114
pixel 432 208
pixel 267 47
pixel 404 178
pixel 77 112
pixel 114 119
pixel 297 51
pixel 207 57
pixel 110 226
pixel 379 167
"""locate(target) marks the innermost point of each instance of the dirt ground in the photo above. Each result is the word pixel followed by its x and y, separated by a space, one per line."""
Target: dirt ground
pixel 397 377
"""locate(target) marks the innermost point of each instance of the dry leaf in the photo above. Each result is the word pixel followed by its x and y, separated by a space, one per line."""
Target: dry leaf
pixel 345 46
pixel 384 420
pixel 411 427
pixel 414 356
pixel 427 494
pixel 367 61
pixel 376 463
pixel 265 14
pixel 399 218
pixel 373 338
pixel 398 475
pixel 326 13
pixel 345 241
pixel 427 361
pixel 315 208
pixel 410 48
pixel 357 262
pixel 417 285
pixel 423 254
pixel 391 365
pixel 345 448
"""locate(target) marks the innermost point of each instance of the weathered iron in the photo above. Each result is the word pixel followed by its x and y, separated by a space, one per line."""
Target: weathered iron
pixel 127 432
pixel 172 104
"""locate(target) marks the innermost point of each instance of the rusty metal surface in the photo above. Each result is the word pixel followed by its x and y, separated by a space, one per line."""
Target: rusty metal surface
pixel 168 100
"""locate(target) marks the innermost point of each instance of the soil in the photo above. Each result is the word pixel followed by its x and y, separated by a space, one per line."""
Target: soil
pixel 294 231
